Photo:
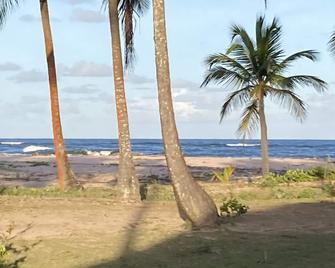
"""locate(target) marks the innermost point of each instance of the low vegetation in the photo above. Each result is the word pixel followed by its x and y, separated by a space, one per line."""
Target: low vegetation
pixel 299 175
pixel 232 207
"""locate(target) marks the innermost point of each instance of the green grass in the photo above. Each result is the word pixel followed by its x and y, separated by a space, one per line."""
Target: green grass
pixel 55 192
pixel 159 192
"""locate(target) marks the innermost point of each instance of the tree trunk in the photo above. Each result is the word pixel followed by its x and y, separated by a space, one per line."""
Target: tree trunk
pixel 66 177
pixel 127 180
pixel 264 136
pixel 193 202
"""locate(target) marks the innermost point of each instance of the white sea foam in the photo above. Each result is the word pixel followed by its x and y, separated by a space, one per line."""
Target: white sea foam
pixel 33 148
pixel 242 145
pixel 11 142
pixel 101 153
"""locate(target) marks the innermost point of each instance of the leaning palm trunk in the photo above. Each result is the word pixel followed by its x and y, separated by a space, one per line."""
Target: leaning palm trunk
pixel 66 177
pixel 193 202
pixel 127 180
pixel 264 136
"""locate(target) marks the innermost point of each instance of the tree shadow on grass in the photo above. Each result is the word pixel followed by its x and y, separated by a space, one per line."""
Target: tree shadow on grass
pixel 297 235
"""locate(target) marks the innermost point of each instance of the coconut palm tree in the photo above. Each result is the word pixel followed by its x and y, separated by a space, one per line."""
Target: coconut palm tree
pixel 126 12
pixel 254 70
pixel 195 206
pixel 66 177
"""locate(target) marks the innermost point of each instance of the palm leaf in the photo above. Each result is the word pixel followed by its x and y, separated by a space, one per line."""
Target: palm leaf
pixel 293 82
pixel 221 75
pixel 249 120
pixel 129 12
pixel 331 43
pixel 289 100
pixel 5 7
pixel 235 99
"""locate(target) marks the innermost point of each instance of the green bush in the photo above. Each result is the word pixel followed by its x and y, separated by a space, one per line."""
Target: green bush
pixel 232 207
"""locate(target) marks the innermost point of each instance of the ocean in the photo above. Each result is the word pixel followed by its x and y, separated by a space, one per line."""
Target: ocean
pixel 191 147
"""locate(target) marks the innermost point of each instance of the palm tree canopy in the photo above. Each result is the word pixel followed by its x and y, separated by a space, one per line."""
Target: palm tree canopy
pixel 254 67
pixel 129 12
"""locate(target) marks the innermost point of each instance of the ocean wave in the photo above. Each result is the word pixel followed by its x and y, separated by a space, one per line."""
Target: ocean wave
pixel 11 142
pixel 241 145
pixel 100 153
pixel 33 148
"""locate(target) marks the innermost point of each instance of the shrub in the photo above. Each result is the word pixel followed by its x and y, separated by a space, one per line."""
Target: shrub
pixel 232 207
pixel 296 175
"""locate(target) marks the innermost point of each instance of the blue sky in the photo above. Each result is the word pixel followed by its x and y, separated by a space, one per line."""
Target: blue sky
pixel 195 29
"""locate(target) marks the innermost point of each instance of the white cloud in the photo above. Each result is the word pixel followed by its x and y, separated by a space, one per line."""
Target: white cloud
pixel 30 18
pixel 79 2
pixel 10 66
pixel 83 89
pixel 138 79
pixel 88 69
pixel 87 16
pixel 31 76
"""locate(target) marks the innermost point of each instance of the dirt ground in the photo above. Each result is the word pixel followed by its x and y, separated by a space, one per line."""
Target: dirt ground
pixel 83 232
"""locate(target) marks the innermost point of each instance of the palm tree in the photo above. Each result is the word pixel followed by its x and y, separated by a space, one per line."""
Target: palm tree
pixel 66 177
pixel 194 204
pixel 254 70
pixel 124 10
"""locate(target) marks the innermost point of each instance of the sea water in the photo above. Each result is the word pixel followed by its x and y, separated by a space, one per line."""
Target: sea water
pixel 191 147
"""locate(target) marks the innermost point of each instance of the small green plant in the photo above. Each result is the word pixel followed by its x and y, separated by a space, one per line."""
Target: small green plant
pixel 224 176
pixel 232 208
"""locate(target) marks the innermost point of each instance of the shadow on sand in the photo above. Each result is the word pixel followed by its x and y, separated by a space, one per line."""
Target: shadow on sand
pixel 297 235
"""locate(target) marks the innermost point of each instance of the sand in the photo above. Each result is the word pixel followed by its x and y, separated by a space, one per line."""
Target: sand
pixel 40 171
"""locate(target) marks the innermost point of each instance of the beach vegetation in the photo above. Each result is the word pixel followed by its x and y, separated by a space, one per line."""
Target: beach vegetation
pixel 232 207
pixel 255 69
pixel 298 175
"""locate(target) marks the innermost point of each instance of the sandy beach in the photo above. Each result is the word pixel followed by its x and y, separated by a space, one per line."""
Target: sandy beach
pixel 40 171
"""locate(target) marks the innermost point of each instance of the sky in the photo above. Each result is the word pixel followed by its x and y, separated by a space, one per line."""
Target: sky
pixel 195 29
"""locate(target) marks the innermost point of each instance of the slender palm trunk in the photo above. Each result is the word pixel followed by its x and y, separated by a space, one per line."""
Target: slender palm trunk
pixel 193 202
pixel 264 136
pixel 66 177
pixel 127 180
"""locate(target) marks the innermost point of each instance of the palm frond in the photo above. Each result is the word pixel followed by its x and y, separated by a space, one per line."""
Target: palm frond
pixel 290 100
pixel 129 11
pixel 246 42
pixel 5 7
pixel 249 120
pixel 331 43
pixel 234 100
pixel 226 61
pixel 307 54
pixel 293 82
pixel 224 76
